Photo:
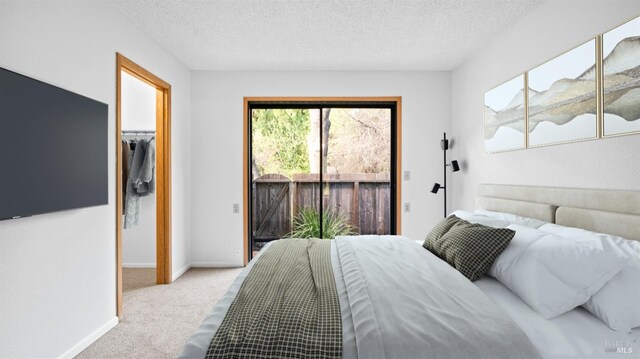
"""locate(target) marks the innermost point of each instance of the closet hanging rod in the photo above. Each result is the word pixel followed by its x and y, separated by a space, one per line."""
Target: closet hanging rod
pixel 130 132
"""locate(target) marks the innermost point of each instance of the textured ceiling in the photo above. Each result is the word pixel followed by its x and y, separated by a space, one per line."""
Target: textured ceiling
pixel 323 34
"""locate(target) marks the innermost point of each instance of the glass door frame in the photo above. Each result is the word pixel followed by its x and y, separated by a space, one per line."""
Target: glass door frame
pixel 253 103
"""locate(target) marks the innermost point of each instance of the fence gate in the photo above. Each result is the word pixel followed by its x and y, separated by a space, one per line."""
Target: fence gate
pixel 271 207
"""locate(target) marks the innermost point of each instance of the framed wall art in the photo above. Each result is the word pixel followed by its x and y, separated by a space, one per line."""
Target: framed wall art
pixel 621 69
pixel 504 116
pixel 563 98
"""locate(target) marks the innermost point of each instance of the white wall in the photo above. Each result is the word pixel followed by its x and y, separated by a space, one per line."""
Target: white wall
pixel 57 271
pixel 138 104
pixel 138 114
pixel 217 118
pixel 556 26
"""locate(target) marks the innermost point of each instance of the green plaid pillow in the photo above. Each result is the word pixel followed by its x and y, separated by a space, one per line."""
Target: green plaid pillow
pixel 439 230
pixel 472 248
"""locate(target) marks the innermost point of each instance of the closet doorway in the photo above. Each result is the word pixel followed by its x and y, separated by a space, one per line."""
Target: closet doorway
pixel 143 183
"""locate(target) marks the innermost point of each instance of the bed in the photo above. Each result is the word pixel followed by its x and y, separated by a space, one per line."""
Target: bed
pixel 446 316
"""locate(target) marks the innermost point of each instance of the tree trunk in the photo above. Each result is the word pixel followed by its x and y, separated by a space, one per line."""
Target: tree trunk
pixel 313 141
pixel 314 147
pixel 255 172
pixel 326 126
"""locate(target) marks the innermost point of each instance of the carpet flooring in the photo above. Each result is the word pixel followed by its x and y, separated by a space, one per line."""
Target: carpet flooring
pixel 158 319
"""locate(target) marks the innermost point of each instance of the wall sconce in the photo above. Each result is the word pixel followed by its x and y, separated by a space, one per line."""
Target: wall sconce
pixel 455 167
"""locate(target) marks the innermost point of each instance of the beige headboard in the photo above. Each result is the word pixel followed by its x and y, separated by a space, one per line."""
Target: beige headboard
pixel 608 211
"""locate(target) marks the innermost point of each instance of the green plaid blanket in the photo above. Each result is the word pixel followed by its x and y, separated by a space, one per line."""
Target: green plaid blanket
pixel 287 307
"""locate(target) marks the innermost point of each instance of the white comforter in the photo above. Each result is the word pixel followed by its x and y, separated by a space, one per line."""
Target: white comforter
pixel 400 301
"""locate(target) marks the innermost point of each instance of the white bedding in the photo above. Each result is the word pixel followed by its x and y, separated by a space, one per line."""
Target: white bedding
pixel 400 301
pixel 575 334
pixel 407 303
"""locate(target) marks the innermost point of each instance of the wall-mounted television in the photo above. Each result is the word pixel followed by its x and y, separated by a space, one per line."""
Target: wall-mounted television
pixel 53 148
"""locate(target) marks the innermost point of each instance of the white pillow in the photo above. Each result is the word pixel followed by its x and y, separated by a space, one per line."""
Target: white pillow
pixel 523 238
pixel 617 303
pixel 484 220
pixel 512 218
pixel 461 213
pixel 553 275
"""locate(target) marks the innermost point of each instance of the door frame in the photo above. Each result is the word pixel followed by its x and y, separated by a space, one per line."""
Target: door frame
pixel 163 173
pixel 246 138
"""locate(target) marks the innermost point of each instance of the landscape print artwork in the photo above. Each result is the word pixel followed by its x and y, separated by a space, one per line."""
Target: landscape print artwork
pixel 562 98
pixel 621 68
pixel 504 123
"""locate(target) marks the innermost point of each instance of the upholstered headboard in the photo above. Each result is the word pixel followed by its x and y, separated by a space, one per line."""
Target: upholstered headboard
pixel 608 211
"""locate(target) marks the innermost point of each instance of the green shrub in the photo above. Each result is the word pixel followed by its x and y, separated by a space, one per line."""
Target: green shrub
pixel 307 225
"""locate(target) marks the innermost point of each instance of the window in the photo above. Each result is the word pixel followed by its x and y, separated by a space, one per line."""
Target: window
pixel 321 169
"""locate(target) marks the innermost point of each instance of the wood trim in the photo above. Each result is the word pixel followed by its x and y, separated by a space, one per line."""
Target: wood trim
pixel 245 153
pixel 166 203
pixel 245 180
pixel 119 198
pixel 398 101
pixel 163 200
pixel 163 173
pixel 141 73
pixel 160 195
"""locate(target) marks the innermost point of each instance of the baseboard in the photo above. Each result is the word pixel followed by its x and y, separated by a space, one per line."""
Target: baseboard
pixel 84 343
pixel 215 265
pixel 138 265
pixel 180 272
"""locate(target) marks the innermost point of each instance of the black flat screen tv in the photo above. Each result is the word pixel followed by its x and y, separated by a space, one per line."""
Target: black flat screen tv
pixel 53 148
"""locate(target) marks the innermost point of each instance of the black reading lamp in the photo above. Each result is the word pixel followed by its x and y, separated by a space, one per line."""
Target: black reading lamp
pixel 444 144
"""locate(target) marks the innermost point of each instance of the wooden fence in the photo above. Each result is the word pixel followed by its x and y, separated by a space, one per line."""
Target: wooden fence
pixel 364 199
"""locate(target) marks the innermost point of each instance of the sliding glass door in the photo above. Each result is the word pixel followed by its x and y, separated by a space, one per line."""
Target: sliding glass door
pixel 356 169
pixel 321 170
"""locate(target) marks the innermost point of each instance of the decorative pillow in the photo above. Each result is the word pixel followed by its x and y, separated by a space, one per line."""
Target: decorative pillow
pixel 471 248
pixel 616 303
pixel 439 230
pixel 512 218
pixel 553 275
